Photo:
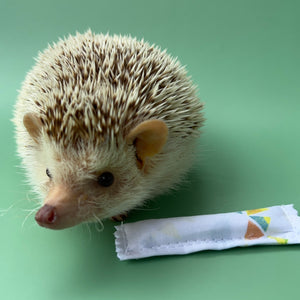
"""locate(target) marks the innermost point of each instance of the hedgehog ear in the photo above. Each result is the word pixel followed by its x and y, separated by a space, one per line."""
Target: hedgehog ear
pixel 33 125
pixel 149 137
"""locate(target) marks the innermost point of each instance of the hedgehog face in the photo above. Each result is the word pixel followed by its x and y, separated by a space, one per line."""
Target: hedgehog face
pixel 86 187
pixel 91 182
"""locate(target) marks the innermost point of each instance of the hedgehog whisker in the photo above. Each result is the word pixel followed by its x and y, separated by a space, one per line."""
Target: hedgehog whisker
pixel 87 225
pixel 98 222
pixel 94 204
pixel 4 211
pixel 79 202
pixel 31 199
pixel 31 212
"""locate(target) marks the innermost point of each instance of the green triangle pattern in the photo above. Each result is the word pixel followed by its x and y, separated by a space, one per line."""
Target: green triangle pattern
pixel 262 221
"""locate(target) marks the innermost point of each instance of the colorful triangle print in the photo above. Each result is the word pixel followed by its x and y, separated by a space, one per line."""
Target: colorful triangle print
pixel 262 221
pixel 253 232
pixel 255 211
pixel 279 240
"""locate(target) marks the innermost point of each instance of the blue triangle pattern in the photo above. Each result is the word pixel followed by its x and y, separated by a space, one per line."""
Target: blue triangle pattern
pixel 261 221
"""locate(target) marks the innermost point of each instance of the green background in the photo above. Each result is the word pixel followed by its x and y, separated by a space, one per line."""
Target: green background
pixel 245 58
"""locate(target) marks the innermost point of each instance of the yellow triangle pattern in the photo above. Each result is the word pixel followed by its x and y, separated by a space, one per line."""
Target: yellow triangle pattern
pixel 279 240
pixel 255 211
pixel 267 219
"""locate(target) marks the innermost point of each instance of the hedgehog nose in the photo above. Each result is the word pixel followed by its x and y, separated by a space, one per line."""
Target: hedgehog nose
pixel 46 215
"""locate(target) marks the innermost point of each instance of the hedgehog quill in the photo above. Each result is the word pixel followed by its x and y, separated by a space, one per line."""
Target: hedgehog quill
pixel 104 123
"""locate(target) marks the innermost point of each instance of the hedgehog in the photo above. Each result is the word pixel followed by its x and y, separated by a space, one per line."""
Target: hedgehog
pixel 104 123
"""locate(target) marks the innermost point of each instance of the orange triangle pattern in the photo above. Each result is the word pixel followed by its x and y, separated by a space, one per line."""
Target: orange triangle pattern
pixel 253 232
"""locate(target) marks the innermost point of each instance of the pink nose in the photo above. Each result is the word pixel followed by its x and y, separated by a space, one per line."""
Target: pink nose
pixel 46 215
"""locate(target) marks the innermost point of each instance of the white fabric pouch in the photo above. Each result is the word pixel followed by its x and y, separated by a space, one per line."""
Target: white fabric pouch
pixel 266 226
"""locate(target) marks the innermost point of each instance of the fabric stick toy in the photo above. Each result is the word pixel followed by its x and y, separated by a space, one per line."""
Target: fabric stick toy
pixel 274 225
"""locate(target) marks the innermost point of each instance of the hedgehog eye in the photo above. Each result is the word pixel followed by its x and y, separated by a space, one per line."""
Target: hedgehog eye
pixel 106 179
pixel 48 173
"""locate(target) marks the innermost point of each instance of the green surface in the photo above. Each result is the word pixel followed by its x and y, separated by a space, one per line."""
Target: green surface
pixel 245 58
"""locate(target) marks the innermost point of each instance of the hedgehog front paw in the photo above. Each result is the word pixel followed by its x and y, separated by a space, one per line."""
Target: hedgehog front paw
pixel 120 217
